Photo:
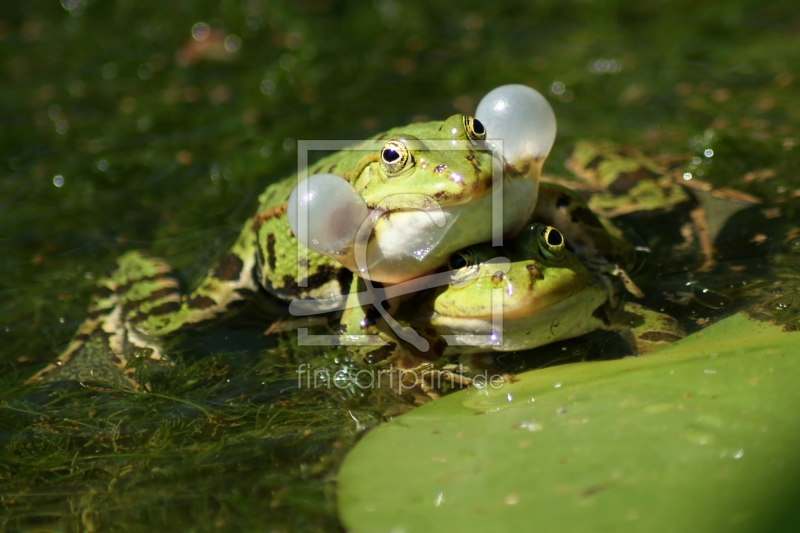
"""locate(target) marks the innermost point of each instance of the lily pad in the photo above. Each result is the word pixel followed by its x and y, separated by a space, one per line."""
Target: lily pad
pixel 701 436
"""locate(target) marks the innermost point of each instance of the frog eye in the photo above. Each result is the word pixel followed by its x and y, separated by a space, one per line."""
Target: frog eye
pixel 395 158
pixel 551 242
pixel 462 259
pixel 475 129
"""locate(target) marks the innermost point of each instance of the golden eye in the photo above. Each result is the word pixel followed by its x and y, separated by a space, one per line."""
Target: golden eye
pixel 551 242
pixel 395 158
pixel 462 259
pixel 475 129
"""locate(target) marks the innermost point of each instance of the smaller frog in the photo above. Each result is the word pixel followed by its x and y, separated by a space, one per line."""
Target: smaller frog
pixel 546 295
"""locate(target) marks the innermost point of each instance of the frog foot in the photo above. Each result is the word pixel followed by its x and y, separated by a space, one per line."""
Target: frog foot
pixel 108 342
pixel 644 329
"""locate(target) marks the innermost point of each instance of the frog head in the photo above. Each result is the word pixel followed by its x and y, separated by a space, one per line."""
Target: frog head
pixel 447 162
pixel 546 295
pixel 427 190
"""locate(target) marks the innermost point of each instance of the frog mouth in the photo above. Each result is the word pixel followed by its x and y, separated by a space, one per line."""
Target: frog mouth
pixel 507 331
pixel 405 243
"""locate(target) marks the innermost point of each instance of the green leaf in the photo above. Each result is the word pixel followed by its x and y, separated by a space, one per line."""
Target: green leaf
pixel 701 436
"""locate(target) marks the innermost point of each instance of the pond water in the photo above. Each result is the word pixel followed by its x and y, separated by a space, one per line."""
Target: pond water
pixel 144 125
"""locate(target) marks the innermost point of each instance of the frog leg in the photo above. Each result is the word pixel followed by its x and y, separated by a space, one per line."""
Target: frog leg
pixel 400 367
pixel 138 303
pixel 102 347
pixel 644 329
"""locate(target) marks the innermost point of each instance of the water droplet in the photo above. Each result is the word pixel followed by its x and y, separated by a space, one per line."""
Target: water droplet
pixel 201 31
pixel 557 386
pixel 708 152
pixel 109 71
pixel 58 180
pixel 531 425
pixel 232 43
pixel 267 86
pixel 739 454
pixel 437 501
pixel 687 176
pixel 145 71
pixel 557 87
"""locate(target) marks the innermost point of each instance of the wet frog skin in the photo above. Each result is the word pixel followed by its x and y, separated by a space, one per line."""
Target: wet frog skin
pixel 619 180
pixel 546 294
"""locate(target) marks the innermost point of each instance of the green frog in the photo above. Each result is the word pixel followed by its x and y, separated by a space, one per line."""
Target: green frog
pixel 545 295
pixel 620 180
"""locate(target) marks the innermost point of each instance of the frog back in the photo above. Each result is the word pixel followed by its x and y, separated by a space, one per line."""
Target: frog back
pixel 284 267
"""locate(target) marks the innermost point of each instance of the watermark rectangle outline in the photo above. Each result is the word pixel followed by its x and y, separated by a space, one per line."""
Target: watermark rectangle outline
pixel 371 145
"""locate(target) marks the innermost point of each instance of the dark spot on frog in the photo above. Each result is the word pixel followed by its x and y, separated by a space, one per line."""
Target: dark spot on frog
pixel 439 168
pixel 345 279
pixel 289 283
pixel 330 170
pixel 594 163
pixel 201 302
pixel 264 216
pixel 229 268
pixel 659 336
pixel 91 315
pixel 439 347
pixel 563 201
pixel 122 289
pixel 383 136
pixel 534 272
pixel 601 314
pixel 627 180
pixel 378 355
pixel 160 293
pixel 586 217
pixel 166 307
pixel 497 277
pixel 372 316
pixel 271 259
pixel 475 166
pixel 323 274
pixel 102 292
pixel 441 195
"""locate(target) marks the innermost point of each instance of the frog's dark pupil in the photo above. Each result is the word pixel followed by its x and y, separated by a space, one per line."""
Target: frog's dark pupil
pixel 390 156
pixel 554 238
pixel 477 127
pixel 458 261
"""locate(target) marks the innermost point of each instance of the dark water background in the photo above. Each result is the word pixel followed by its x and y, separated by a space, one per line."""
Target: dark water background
pixel 119 131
